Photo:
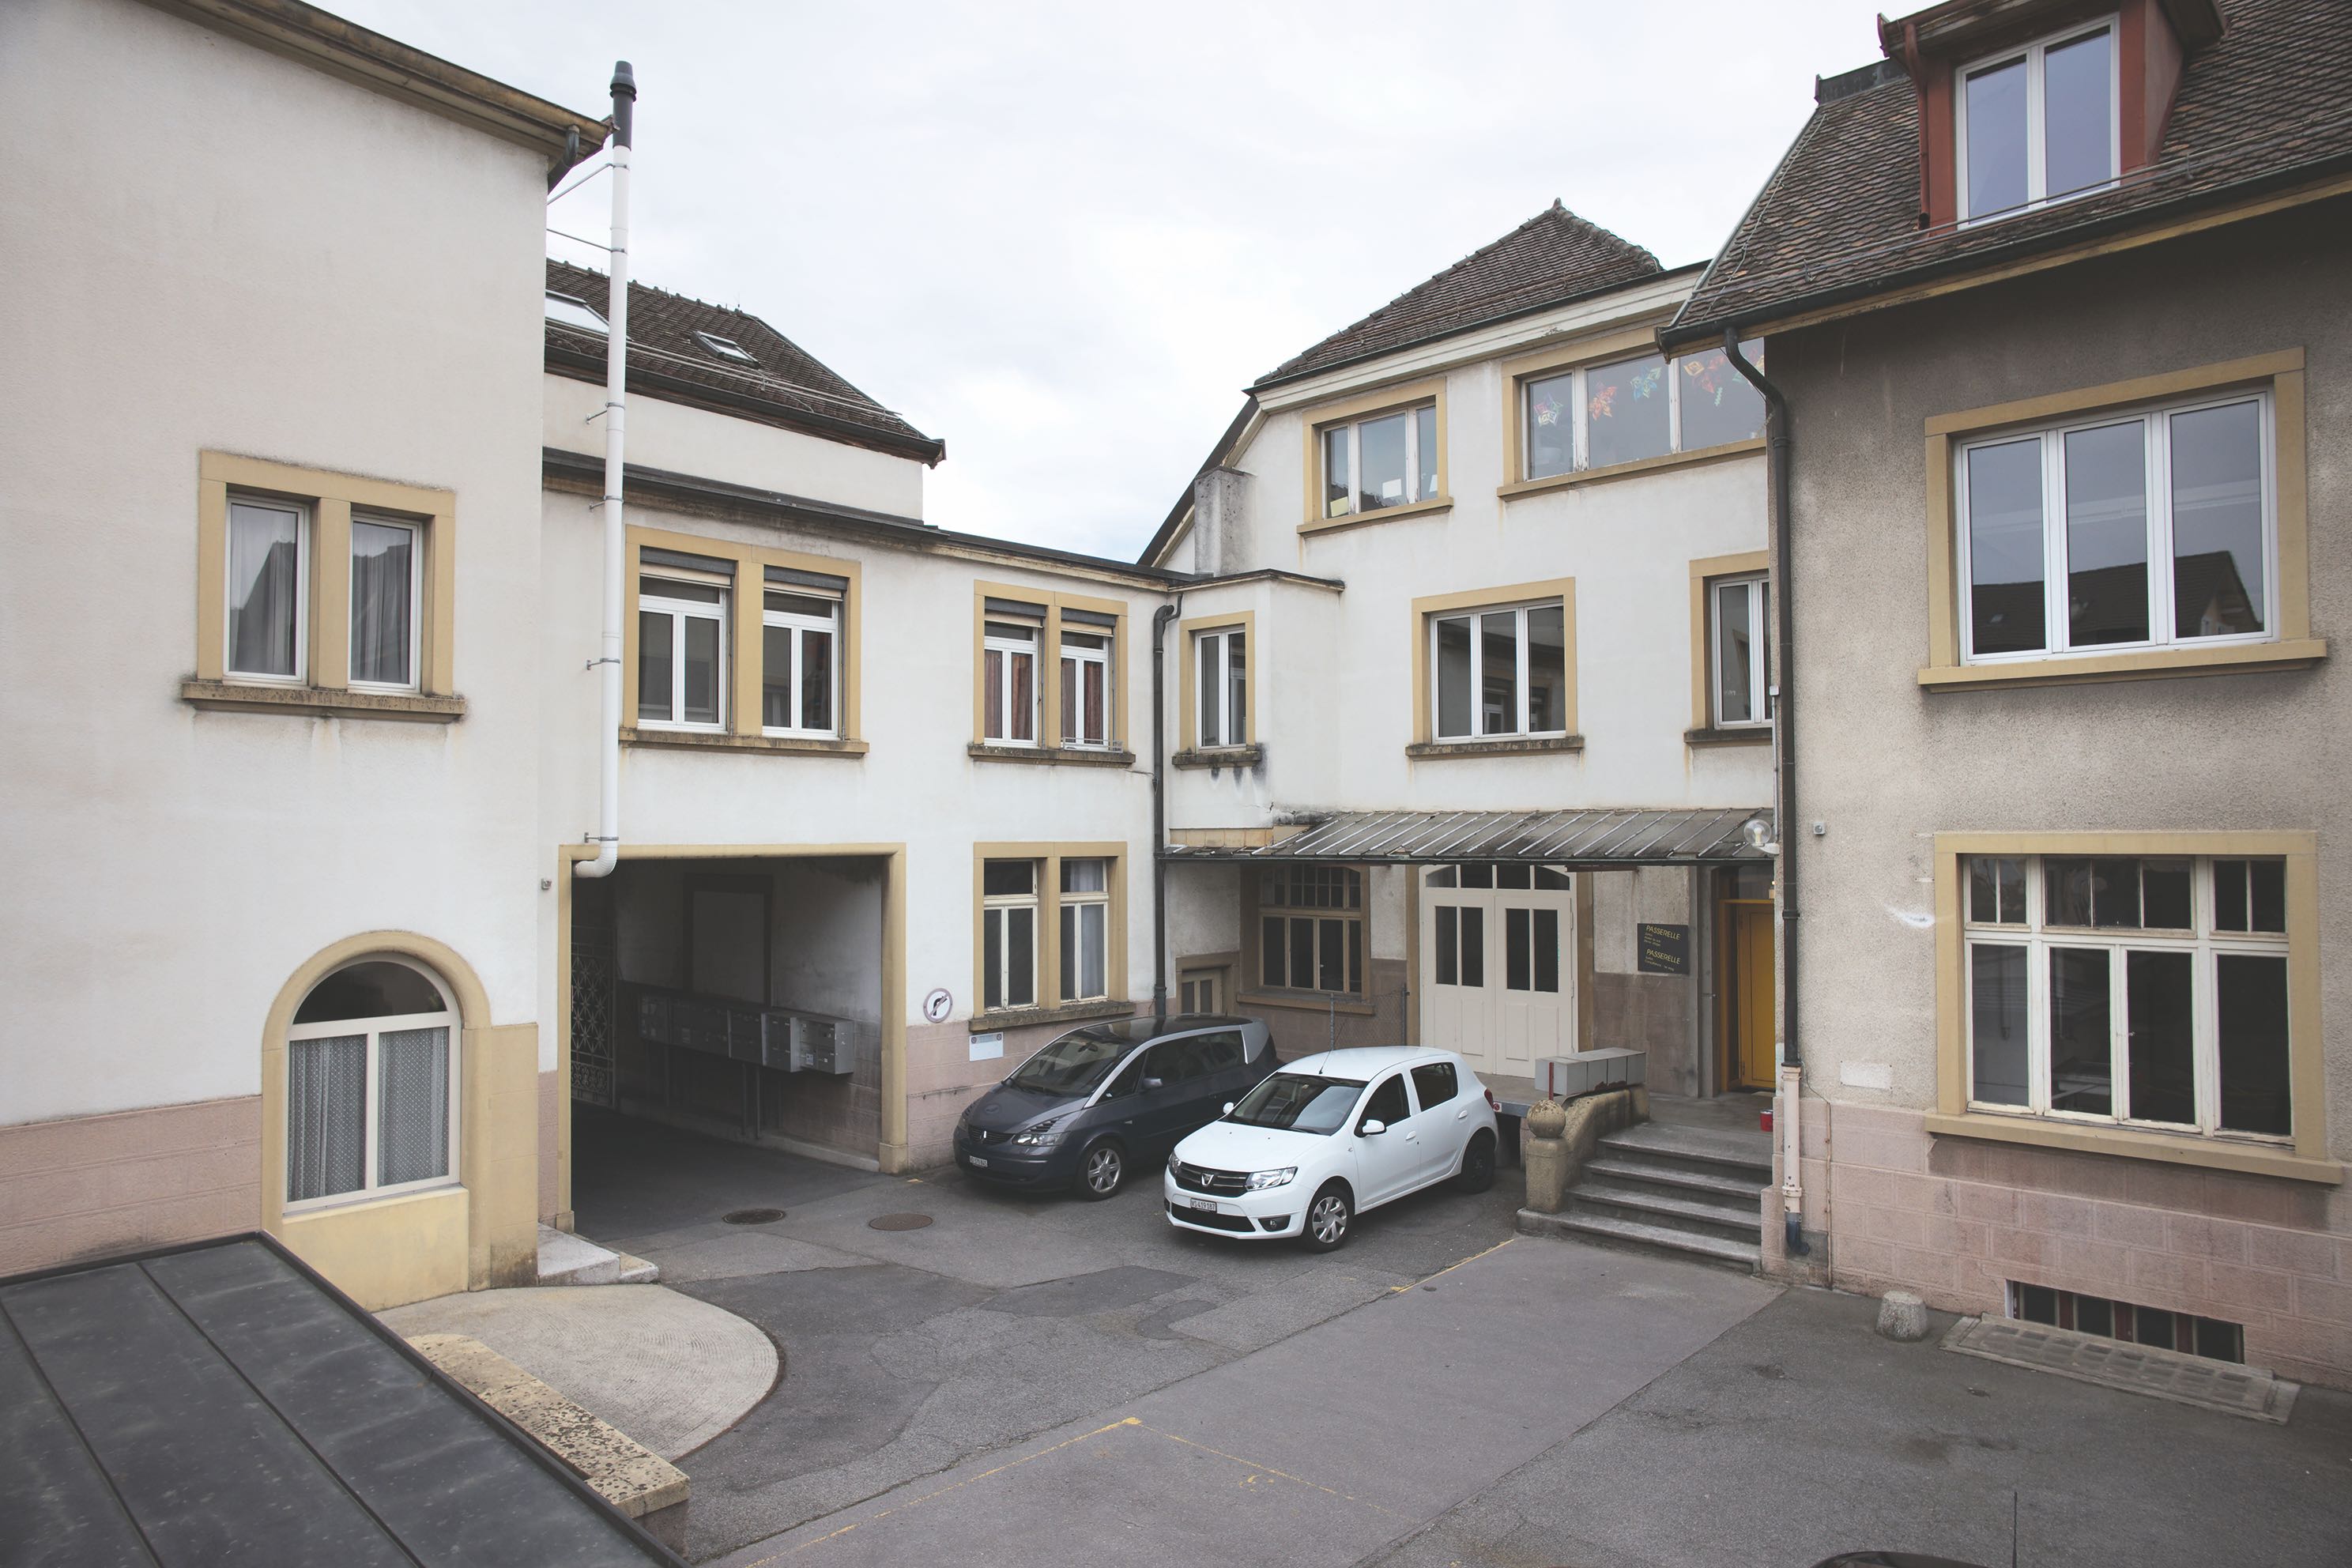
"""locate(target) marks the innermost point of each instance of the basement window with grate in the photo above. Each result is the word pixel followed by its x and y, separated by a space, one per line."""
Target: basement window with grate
pixel 2153 1326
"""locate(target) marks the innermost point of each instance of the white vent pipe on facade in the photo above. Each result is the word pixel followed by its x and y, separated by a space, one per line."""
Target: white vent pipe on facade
pixel 607 664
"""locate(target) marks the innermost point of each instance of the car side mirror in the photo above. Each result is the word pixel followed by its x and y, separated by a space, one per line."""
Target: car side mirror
pixel 1371 1129
pixel 1228 1110
pixel 1152 1083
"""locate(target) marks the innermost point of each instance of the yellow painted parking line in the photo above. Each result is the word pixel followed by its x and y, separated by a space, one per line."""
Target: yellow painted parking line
pixel 1270 1470
pixel 1451 1267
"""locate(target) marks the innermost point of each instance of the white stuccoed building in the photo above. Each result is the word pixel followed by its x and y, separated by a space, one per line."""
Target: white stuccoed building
pixel 1461 715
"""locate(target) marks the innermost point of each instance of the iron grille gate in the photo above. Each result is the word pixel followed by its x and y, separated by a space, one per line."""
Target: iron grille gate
pixel 596 966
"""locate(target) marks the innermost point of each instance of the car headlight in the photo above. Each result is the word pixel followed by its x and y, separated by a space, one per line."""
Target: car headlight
pixel 1173 1162
pixel 1261 1179
pixel 1039 1135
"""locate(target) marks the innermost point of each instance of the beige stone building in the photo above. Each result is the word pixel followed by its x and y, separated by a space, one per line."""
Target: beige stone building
pixel 2054 295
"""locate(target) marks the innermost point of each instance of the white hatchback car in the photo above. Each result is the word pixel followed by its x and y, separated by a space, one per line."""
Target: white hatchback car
pixel 1331 1136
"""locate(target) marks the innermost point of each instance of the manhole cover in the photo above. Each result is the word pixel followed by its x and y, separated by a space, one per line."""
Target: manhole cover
pixel 899 1221
pixel 753 1216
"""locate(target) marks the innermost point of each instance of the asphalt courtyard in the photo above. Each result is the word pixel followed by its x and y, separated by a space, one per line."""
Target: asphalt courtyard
pixel 1041 1382
pixel 907 1353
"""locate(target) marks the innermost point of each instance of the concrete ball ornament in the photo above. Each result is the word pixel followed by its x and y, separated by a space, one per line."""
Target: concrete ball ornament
pixel 1547 1118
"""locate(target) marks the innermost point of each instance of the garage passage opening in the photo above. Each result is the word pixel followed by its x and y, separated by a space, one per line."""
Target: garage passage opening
pixel 739 999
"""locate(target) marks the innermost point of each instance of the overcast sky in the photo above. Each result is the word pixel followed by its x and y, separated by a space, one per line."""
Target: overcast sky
pixel 1063 237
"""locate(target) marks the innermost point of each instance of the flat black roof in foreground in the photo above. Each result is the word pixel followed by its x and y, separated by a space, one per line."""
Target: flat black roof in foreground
pixel 222 1403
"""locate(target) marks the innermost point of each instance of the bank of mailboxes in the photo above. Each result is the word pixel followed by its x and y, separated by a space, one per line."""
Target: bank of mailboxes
pixel 786 1038
pixel 1565 1077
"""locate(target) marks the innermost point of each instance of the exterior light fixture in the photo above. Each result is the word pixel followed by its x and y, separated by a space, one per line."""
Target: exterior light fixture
pixel 1758 833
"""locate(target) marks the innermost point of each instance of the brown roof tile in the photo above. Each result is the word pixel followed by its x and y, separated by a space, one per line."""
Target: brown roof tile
pixel 787 387
pixel 2268 104
pixel 1553 258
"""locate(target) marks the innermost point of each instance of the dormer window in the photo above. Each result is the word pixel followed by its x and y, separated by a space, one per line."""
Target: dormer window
pixel 567 310
pixel 726 348
pixel 2037 123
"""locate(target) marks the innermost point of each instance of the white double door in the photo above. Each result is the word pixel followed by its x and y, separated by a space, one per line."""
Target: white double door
pixel 1499 965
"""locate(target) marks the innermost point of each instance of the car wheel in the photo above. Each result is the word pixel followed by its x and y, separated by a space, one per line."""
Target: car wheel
pixel 1327 1218
pixel 1478 1164
pixel 1102 1171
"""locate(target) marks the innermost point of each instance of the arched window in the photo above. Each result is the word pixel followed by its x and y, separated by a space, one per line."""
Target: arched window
pixel 370 1077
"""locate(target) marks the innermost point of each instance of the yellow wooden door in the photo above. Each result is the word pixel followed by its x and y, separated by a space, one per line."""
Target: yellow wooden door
pixel 1750 1004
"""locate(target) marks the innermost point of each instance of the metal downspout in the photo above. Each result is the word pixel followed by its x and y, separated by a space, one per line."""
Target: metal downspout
pixel 607 664
pixel 1784 771
pixel 1160 618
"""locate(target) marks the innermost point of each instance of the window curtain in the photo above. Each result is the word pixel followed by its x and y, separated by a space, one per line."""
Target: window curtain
pixel 383 590
pixel 326 1117
pixel 264 567
pixel 412 1105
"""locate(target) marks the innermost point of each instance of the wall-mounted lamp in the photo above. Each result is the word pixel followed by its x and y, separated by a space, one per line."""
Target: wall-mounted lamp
pixel 1758 832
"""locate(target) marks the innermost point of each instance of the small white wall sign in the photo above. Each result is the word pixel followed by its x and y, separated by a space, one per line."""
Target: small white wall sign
pixel 987 1047
pixel 939 1005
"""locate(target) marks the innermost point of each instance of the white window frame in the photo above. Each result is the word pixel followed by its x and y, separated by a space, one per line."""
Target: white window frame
pixel 679 611
pixel 2037 937
pixel 1033 650
pixel 371 1111
pixel 2156 419
pixel 2037 151
pixel 727 349
pixel 601 327
pixel 304 518
pixel 1355 429
pixel 416 538
pixel 1201 990
pixel 1759 673
pixel 1475 616
pixel 1580 423
pixel 1218 697
pixel 1083 656
pixel 800 624
pixel 1071 925
pixel 997 909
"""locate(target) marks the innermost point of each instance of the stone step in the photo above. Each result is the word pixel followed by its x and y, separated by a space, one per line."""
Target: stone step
pixel 1707 1182
pixel 1654 1207
pixel 1611 1232
pixel 1747 1156
pixel 568 1259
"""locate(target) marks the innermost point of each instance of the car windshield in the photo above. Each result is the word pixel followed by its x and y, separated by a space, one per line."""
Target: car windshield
pixel 1299 1102
pixel 1071 1065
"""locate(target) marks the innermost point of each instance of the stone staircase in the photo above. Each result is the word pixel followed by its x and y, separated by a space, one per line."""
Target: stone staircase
pixel 1669 1188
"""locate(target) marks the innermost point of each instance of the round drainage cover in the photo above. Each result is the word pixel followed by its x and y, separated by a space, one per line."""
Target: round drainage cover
pixel 753 1216
pixel 899 1221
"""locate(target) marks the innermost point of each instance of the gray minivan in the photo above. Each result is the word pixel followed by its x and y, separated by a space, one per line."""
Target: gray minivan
pixel 1109 1097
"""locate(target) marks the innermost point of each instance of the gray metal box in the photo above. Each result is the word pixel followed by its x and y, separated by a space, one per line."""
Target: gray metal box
pixel 1565 1077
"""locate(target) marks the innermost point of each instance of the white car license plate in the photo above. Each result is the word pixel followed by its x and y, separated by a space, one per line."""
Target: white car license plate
pixel 1207 1205
pixel 976 1161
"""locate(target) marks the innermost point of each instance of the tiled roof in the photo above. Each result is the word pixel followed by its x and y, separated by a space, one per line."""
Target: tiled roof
pixel 2267 105
pixel 1553 258
pixel 786 387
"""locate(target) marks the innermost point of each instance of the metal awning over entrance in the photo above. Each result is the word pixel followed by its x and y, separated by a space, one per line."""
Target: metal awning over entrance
pixel 1596 840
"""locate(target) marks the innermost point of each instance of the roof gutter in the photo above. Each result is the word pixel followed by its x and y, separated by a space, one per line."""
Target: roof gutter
pixel 580 365
pixel 327 42
pixel 1680 332
pixel 1784 801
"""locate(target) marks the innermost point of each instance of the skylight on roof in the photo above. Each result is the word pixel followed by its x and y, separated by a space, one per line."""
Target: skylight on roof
pixel 725 348
pixel 567 310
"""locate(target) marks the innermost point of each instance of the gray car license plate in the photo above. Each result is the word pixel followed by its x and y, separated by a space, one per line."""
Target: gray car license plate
pixel 1205 1205
pixel 976 1161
